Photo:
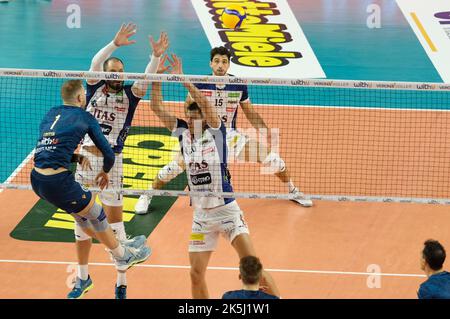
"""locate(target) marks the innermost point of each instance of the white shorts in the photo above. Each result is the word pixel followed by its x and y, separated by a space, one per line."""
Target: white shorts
pixel 109 196
pixel 236 142
pixel 207 225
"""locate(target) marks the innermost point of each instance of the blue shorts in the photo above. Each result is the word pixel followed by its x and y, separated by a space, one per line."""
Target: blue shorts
pixel 61 190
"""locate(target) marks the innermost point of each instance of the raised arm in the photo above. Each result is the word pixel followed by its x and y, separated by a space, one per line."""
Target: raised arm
pixel 139 88
pixel 121 39
pixel 208 110
pixel 254 118
pixel 157 106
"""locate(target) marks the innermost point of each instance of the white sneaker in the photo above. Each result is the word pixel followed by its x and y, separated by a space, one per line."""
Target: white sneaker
pixel 141 207
pixel 301 199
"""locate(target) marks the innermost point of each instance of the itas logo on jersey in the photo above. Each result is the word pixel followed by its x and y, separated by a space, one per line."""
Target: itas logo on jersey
pixel 207 93
pixel 195 168
pixel 104 115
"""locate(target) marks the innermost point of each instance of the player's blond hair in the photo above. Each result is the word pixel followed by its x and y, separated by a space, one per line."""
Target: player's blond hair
pixel 70 89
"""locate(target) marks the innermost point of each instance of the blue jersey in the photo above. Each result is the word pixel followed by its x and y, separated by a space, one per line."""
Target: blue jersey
pixel 61 130
pixel 436 287
pixel 226 99
pixel 248 294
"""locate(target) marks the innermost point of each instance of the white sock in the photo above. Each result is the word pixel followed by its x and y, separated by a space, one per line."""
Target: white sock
pixel 150 188
pixel 121 278
pixel 119 251
pixel 119 230
pixel 291 186
pixel 83 272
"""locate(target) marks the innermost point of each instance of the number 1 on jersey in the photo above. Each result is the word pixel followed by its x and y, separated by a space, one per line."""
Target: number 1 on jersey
pixel 56 120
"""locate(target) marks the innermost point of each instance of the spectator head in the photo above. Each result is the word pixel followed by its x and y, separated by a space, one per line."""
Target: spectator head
pixel 433 256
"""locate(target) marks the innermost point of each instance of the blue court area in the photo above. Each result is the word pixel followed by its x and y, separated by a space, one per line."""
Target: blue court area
pixel 34 34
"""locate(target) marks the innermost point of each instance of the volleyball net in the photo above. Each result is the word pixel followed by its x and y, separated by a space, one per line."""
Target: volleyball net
pixel 339 140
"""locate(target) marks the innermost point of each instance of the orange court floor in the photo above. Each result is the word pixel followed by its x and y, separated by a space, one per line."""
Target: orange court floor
pixel 332 250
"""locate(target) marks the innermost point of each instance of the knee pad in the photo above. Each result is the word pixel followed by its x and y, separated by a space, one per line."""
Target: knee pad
pixel 97 218
pixel 80 235
pixel 170 171
pixel 275 162
pixel 111 198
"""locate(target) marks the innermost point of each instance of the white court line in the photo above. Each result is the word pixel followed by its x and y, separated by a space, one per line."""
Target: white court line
pixel 323 272
pixel 18 169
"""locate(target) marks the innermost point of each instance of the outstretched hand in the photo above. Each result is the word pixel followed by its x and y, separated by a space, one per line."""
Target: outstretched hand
pixel 176 65
pixel 160 46
pixel 162 68
pixel 123 35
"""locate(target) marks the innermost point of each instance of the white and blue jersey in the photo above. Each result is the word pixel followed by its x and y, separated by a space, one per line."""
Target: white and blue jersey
pixel 226 99
pixel 206 164
pixel 113 111
pixel 61 131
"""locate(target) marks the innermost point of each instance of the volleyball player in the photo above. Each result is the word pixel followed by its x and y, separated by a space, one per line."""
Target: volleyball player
pixel 113 105
pixel 227 100
pixel 203 147
pixel 61 130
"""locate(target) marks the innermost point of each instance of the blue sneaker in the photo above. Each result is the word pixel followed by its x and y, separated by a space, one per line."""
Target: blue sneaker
pixel 135 242
pixel 81 287
pixel 132 256
pixel 121 292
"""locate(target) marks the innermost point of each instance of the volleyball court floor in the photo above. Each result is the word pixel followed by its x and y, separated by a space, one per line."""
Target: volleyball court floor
pixel 331 250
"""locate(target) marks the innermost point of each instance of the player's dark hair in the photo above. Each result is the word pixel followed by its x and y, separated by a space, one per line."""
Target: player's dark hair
pixel 250 269
pixel 194 107
pixel 105 64
pixel 434 254
pixel 220 51
pixel 70 89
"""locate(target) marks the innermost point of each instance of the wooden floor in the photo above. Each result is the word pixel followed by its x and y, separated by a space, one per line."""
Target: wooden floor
pixel 322 252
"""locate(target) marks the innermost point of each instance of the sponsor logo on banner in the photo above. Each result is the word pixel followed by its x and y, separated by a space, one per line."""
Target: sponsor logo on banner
pixel 430 21
pixel 137 77
pixel 270 42
pixel 238 81
pixel 300 83
pixel 16 73
pixel 74 75
pixel 361 85
pixel 426 87
pixel 50 74
pixel 260 81
pixel 385 85
pixel 113 76
pixel 174 78
pixel 324 83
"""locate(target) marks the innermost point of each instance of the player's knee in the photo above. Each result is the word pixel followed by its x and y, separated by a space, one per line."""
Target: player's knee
pixel 169 172
pixel 114 199
pixel 197 275
pixel 97 218
pixel 80 235
pixel 275 162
